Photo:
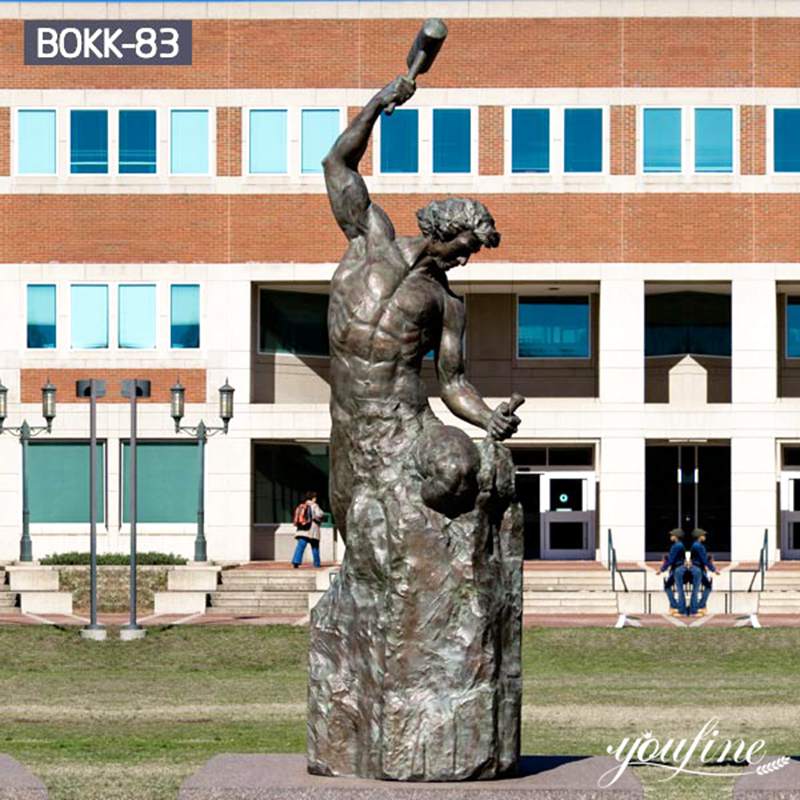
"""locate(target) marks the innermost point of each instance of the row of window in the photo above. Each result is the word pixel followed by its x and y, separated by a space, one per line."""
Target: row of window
pixel 167 482
pixel 547 327
pixel 674 140
pixel 136 316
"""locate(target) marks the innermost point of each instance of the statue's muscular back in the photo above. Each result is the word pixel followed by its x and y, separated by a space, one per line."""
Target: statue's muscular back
pixel 382 320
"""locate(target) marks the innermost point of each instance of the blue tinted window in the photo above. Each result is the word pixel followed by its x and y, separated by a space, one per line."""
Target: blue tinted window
pixel 530 140
pixel 88 144
pixel 36 134
pixel 786 135
pixel 793 327
pixel 451 140
pixel 137 141
pixel 293 322
pixel 185 316
pixel 42 316
pixel 189 142
pixel 713 139
pixel 583 140
pixel 400 141
pixel 551 327
pixel 662 140
pixel 679 323
pixel 89 317
pixel 268 141
pixel 137 316
pixel 320 129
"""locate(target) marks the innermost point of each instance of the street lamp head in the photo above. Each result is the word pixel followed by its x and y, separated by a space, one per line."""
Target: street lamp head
pixel 226 404
pixel 177 404
pixel 49 404
pixel 3 404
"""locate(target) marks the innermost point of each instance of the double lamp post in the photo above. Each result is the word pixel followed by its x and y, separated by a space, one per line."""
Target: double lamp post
pixel 133 390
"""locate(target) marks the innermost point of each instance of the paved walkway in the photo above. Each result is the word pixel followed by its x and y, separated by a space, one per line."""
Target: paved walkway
pixel 529 621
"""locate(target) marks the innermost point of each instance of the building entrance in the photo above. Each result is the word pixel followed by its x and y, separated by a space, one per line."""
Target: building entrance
pixel 688 486
pixel 557 488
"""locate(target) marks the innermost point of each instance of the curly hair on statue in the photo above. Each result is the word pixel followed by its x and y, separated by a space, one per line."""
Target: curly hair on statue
pixel 443 220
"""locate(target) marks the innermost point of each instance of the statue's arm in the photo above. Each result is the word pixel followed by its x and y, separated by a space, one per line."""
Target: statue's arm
pixel 458 394
pixel 352 207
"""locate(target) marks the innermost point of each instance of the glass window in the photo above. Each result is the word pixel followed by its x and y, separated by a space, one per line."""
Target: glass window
pixel 185 316
pixel 320 127
pixel 713 139
pixel 662 140
pixel 88 144
pixel 786 136
pixel 553 327
pixel 137 142
pixel 682 323
pixel 168 481
pixel 792 327
pixel 400 141
pixel 42 316
pixel 282 474
pixel 137 316
pixel 189 142
pixel 530 140
pixel 583 140
pixel 58 481
pixel 268 141
pixel 36 139
pixel 452 140
pixel 89 317
pixel 293 322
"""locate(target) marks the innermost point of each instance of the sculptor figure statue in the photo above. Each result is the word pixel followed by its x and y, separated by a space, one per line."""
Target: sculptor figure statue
pixel 414 664
pixel 390 301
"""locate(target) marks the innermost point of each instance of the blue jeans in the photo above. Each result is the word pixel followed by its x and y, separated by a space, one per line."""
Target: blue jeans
pixel 300 549
pixel 705 594
pixel 696 578
pixel 669 589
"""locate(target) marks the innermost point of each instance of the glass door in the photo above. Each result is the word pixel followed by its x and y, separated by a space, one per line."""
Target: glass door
pixel 567 518
pixel 790 516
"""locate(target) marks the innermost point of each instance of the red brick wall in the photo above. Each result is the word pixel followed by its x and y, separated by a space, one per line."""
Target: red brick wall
pixel 753 139
pixel 623 140
pixel 5 141
pixel 32 380
pixel 365 167
pixel 536 227
pixel 229 141
pixel 490 151
pixel 480 52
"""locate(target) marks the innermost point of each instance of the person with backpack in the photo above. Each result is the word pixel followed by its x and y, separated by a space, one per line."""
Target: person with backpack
pixel 308 517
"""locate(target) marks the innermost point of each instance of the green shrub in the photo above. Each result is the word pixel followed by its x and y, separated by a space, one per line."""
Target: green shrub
pixel 145 559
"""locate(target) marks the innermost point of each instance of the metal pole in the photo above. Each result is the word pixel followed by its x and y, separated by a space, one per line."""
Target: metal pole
pixel 133 625
pixel 93 506
pixel 25 546
pixel 200 553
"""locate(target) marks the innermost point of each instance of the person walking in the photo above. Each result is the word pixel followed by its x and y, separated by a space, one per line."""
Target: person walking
pixel 704 563
pixel 308 517
pixel 674 560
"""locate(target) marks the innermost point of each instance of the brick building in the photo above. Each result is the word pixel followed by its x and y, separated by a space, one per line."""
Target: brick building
pixel 642 161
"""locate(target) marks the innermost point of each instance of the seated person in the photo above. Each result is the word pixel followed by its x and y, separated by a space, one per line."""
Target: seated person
pixel 675 559
pixel 703 562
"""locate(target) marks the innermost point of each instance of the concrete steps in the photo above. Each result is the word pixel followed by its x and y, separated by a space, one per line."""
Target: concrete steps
pixel 9 601
pixel 779 602
pixel 263 591
pixel 570 602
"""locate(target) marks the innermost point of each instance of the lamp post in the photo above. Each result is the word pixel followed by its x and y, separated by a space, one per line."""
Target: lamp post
pixel 133 389
pixel 202 433
pixel 25 433
pixel 93 390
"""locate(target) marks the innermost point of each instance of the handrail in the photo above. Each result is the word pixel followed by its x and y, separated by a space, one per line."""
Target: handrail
pixel 761 570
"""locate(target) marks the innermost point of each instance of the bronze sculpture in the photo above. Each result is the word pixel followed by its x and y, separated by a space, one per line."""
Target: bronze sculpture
pixel 415 649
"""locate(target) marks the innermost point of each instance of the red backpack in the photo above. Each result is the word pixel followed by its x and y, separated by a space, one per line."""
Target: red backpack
pixel 302 516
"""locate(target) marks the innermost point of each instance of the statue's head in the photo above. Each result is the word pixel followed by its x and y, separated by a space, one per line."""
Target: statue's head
pixel 455 229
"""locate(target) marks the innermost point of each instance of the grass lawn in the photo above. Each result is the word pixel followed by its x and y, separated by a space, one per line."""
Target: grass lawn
pixel 129 721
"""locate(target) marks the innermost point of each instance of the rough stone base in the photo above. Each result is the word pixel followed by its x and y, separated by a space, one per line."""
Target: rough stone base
pixel 16 783
pixel 284 777
pixel 783 784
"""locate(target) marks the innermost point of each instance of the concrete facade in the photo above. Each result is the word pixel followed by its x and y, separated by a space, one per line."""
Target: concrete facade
pixel 615 236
